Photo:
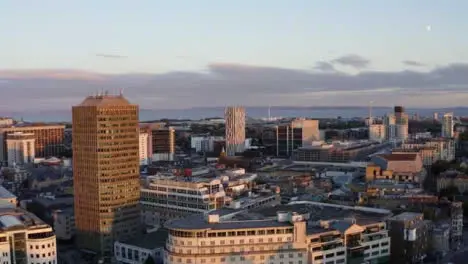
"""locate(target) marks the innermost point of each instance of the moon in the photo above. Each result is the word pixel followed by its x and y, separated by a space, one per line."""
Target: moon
pixel 428 28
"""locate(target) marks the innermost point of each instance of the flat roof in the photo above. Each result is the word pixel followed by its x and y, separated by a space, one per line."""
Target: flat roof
pixel 5 194
pixel 150 240
pixel 266 217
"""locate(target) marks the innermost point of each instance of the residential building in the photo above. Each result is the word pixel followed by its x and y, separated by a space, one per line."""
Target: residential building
pixel 296 134
pixel 401 167
pixel 447 126
pixel 138 250
pixel 24 238
pixel 163 143
pixel 267 235
pixel 204 143
pixel 390 127
pixel 410 237
pixel 143 147
pixel 449 179
pixel 106 166
pixel 397 125
pixel 235 129
pixel 377 132
pixel 48 139
pixel 444 147
pixel 20 148
pixel 441 239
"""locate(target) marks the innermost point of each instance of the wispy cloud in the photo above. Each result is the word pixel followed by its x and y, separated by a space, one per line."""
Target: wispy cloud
pixel 352 60
pixel 324 66
pixel 229 83
pixel 111 56
pixel 413 63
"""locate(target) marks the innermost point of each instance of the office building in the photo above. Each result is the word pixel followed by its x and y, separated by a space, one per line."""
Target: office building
pixel 163 143
pixel 315 233
pixel 20 148
pixel 339 151
pixel 24 238
pixel 296 134
pixel 436 116
pixel 106 166
pixel 447 126
pixel 143 143
pixel 174 197
pixel 410 237
pixel 235 130
pixel 48 139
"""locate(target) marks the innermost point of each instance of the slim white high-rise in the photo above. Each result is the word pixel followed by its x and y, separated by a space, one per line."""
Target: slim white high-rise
pixel 447 125
pixel 234 117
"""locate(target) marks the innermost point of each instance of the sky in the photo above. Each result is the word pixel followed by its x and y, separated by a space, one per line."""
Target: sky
pixel 184 53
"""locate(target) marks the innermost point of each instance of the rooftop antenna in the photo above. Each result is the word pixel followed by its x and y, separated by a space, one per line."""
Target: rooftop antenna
pixel 269 113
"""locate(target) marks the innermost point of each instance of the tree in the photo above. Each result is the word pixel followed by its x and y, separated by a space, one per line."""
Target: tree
pixel 449 192
pixel 150 260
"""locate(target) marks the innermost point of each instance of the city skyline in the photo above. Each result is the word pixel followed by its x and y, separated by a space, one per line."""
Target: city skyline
pixel 181 54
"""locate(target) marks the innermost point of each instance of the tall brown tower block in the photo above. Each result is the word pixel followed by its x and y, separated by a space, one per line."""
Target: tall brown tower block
pixel 106 172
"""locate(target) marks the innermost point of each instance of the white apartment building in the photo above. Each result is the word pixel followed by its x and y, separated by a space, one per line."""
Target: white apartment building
pixel 24 238
pixel 447 126
pixel 204 143
pixel 20 148
pixel 143 148
pixel 287 237
pixel 377 132
pixel 172 197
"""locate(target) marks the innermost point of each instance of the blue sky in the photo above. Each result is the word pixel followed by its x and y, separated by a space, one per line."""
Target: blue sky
pixel 187 53
pixel 161 35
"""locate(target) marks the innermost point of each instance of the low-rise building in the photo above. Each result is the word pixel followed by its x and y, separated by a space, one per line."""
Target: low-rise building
pixel 451 179
pixel 301 233
pixel 24 238
pixel 140 249
pixel 336 151
pixel 401 167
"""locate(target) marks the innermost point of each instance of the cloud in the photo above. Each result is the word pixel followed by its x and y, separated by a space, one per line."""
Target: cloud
pixel 324 66
pixel 228 83
pixel 413 63
pixel 111 56
pixel 352 60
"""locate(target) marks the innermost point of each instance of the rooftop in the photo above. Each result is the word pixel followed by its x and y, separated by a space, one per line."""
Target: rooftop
pixel 5 194
pixel 150 240
pixel 406 216
pixel 267 217
pixel 399 156
pixel 14 217
pixel 104 100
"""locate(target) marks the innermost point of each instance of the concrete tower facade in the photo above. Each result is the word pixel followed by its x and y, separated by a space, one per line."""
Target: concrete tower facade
pixel 447 125
pixel 235 129
pixel 106 172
